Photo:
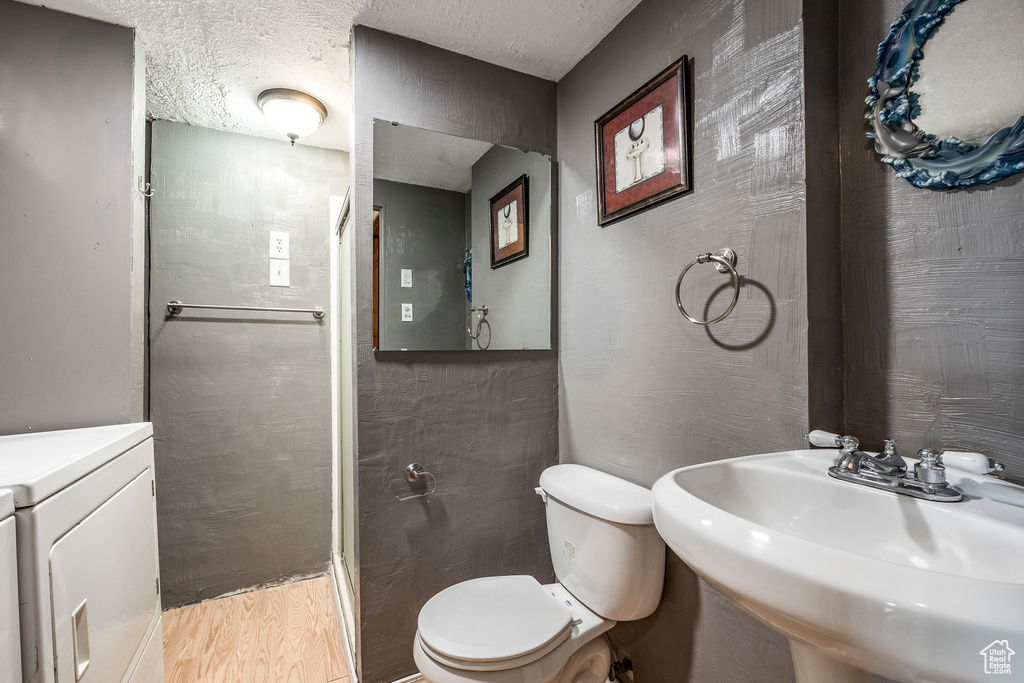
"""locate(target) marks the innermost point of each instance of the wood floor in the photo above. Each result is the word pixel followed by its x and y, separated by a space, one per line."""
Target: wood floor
pixel 288 634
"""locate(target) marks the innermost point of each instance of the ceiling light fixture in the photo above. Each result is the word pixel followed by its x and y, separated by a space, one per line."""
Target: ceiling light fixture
pixel 291 112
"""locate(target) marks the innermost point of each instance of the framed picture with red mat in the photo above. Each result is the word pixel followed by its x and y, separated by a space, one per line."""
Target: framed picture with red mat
pixel 510 228
pixel 643 146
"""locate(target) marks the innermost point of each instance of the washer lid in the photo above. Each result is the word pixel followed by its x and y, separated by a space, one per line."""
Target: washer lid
pixel 36 466
pixel 494 619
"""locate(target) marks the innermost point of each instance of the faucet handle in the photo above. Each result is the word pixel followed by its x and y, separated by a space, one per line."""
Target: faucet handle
pixel 973 462
pixel 823 439
pixel 849 443
pixel 890 447
pixel 929 468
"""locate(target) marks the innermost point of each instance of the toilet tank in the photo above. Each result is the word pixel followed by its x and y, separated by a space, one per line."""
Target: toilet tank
pixel 604 547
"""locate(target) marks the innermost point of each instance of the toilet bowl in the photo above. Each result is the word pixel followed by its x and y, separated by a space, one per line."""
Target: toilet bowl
pixel 609 561
pixel 498 630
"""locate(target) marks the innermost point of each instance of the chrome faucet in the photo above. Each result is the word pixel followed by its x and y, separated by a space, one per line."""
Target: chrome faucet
pixel 852 459
pixel 888 469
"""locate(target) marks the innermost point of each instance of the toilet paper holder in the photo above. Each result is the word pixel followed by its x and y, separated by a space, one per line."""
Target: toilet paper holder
pixel 413 473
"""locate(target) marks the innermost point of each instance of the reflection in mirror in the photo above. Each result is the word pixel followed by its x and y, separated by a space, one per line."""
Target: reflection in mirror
pixel 462 243
pixel 971 82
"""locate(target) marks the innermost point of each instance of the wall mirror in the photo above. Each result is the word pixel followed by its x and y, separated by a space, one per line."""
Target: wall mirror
pixel 462 243
pixel 946 106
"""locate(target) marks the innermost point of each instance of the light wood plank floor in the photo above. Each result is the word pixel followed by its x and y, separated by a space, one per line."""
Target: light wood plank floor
pixel 287 634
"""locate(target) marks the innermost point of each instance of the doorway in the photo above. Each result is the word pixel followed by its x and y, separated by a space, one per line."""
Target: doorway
pixel 345 563
pixel 240 400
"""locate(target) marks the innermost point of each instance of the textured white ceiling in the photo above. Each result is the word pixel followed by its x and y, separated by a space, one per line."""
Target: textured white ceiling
pixel 422 157
pixel 207 60
pixel 540 37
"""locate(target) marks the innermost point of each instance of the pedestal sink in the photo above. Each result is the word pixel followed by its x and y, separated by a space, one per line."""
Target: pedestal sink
pixel 864 583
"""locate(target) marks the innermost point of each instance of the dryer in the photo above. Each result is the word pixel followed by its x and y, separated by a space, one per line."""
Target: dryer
pixel 88 570
pixel 10 642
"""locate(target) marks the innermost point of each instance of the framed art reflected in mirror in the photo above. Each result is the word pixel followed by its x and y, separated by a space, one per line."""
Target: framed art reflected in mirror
pixel 509 224
pixel 643 146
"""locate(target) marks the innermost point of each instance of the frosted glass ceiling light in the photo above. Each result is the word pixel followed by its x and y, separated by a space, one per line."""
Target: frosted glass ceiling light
pixel 291 112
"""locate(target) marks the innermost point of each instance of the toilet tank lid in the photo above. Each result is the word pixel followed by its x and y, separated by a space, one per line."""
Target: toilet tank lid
pixel 598 494
pixel 6 503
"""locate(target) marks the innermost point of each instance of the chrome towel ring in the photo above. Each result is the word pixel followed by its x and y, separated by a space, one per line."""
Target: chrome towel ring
pixel 475 336
pixel 725 262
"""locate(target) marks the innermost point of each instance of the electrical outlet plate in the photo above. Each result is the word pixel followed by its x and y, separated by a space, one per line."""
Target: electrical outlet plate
pixel 407 277
pixel 407 313
pixel 279 273
pixel 278 245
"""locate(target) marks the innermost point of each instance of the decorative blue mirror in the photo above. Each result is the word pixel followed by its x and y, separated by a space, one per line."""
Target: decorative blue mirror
pixel 955 119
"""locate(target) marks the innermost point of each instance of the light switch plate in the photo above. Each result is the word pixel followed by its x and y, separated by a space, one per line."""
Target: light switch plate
pixel 407 313
pixel 407 277
pixel 279 272
pixel 278 244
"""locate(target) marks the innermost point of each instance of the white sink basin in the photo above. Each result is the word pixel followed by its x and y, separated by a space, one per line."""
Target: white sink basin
pixel 860 580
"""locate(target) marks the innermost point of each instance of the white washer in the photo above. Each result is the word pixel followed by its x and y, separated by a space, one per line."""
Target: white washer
pixel 10 642
pixel 88 570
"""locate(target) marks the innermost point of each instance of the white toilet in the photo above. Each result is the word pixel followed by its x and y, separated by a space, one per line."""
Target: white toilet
pixel 610 565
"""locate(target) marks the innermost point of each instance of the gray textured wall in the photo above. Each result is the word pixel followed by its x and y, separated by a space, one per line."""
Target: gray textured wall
pixel 240 402
pixel 642 390
pixel 932 284
pixel 518 294
pixel 66 221
pixel 423 228
pixel 484 423
pixel 824 259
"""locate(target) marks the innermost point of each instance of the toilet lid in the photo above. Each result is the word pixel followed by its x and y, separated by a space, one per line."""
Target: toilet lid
pixel 493 623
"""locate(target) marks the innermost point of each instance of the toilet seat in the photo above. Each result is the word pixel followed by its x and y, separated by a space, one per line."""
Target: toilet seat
pixel 493 624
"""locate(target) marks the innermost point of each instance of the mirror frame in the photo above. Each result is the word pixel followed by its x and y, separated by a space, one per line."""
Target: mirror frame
pixel 924 160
